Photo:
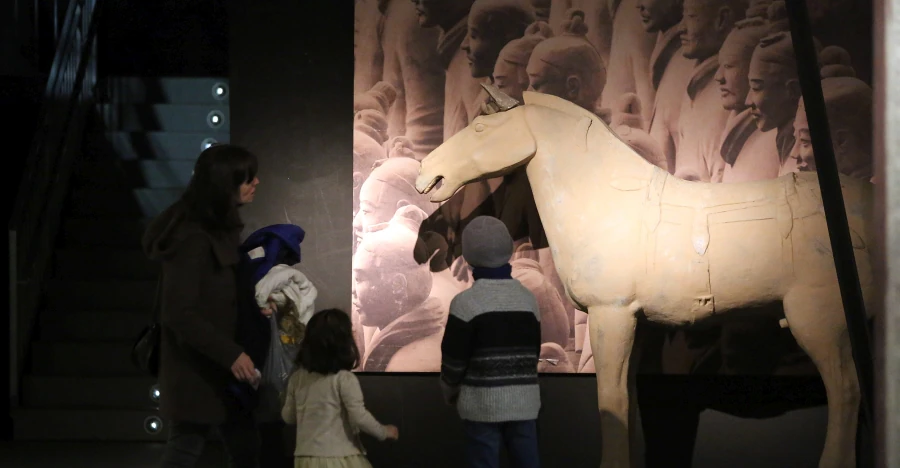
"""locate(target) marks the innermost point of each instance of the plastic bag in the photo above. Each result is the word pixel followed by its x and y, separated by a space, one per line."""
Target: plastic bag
pixel 275 374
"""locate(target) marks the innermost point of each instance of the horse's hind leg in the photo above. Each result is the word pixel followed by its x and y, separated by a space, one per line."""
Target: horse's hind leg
pixel 612 330
pixel 816 319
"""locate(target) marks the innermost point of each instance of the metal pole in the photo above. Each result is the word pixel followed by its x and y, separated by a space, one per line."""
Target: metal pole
pixel 833 200
pixel 887 165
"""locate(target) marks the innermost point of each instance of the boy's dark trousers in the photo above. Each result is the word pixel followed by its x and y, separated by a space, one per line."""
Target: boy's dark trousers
pixel 483 442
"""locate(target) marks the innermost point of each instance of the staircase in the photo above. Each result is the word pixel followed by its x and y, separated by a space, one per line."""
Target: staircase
pixel 81 384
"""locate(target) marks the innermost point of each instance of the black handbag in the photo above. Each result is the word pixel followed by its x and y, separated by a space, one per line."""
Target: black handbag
pixel 145 351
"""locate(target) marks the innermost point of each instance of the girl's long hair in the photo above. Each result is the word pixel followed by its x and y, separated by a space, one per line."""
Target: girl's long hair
pixel 328 346
pixel 212 195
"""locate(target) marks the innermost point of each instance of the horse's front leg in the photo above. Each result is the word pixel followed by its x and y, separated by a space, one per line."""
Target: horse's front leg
pixel 612 330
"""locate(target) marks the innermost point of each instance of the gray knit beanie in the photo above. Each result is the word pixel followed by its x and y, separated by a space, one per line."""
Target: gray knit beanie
pixel 486 243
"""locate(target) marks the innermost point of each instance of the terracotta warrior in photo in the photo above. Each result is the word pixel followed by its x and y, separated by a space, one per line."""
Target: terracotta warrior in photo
pixel 629 56
pixel 366 151
pixel 598 17
pixel 412 65
pixel 373 123
pixel 704 27
pixel 510 71
pixel 370 130
pixel 670 72
pixel 492 24
pixel 568 66
pixel 393 296
pixel 368 63
pixel 748 152
pixel 626 122
pixel 461 90
pixel 848 105
pixel 379 97
pixel 774 85
pixel 399 147
pixel 389 187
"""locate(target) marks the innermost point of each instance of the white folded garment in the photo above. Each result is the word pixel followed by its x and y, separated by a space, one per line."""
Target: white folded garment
pixel 290 290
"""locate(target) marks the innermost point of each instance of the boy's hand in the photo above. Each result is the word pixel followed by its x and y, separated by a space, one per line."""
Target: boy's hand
pixel 392 432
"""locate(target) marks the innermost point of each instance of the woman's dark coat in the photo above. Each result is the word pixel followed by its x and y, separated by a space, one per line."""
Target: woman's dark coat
pixel 198 316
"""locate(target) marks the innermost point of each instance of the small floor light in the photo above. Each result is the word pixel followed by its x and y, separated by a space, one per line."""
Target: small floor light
pixel 220 91
pixel 154 393
pixel 207 143
pixel 215 119
pixel 153 425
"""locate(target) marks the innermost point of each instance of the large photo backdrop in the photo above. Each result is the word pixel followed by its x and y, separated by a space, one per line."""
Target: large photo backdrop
pixel 705 89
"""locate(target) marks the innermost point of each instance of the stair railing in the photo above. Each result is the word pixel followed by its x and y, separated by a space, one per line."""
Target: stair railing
pixel 68 100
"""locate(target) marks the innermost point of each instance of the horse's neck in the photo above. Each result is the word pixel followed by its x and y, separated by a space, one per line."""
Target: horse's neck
pixel 580 155
pixel 574 174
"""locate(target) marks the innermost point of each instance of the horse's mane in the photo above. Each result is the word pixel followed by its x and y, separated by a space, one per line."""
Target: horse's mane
pixel 548 100
pixel 532 98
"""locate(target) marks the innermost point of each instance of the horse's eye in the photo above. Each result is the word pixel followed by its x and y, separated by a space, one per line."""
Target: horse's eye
pixel 479 127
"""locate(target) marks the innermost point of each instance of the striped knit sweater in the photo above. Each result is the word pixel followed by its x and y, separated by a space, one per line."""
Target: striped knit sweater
pixel 490 352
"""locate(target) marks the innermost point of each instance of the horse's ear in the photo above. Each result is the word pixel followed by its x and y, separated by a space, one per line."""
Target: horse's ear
pixel 502 100
pixel 580 135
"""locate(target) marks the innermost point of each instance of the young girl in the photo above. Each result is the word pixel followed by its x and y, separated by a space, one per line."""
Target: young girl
pixel 324 398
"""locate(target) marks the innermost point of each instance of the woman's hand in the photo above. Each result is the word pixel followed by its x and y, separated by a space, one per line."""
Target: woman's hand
pixel 270 308
pixel 244 370
pixel 392 432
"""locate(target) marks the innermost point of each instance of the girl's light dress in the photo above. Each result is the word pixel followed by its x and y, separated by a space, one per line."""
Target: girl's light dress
pixel 329 413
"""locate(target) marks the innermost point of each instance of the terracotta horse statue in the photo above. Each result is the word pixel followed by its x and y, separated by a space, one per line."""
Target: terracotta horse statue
pixel 633 243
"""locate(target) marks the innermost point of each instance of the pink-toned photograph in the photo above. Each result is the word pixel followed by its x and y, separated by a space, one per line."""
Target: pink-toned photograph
pixel 706 90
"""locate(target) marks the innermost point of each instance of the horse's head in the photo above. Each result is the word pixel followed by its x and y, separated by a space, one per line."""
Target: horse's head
pixel 492 145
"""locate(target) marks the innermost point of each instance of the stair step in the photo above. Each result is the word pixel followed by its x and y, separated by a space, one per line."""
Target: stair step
pixel 154 145
pixel 110 326
pixel 83 359
pixel 81 392
pixel 132 174
pixel 84 425
pixel 104 264
pixel 174 90
pixel 120 202
pixel 103 232
pixel 186 118
pixel 100 295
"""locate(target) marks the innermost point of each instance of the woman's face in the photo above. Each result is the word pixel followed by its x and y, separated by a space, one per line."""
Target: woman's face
pixel 248 191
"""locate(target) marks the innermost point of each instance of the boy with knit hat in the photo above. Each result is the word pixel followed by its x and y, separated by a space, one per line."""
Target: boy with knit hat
pixel 490 353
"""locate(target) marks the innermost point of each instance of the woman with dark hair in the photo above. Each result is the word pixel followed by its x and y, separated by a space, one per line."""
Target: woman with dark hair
pixel 324 398
pixel 196 240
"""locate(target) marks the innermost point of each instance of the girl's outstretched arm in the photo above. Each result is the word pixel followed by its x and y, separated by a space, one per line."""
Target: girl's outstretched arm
pixel 352 398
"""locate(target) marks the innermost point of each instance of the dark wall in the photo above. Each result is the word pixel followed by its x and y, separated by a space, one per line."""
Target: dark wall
pixel 291 104
pixel 20 98
pixel 291 74
pixel 164 38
